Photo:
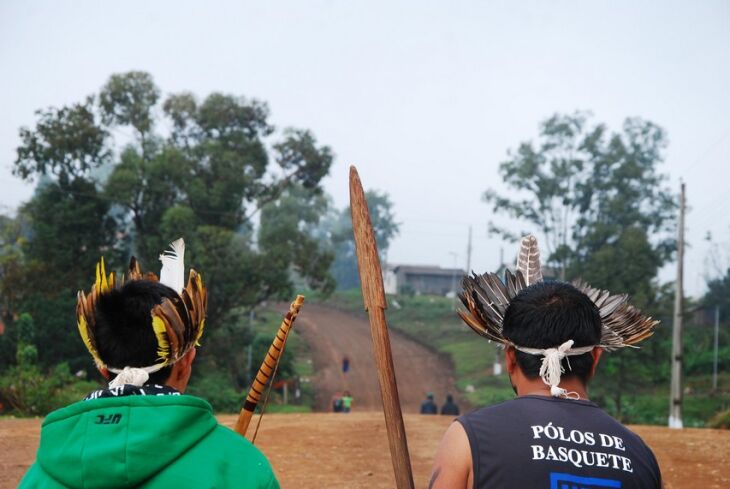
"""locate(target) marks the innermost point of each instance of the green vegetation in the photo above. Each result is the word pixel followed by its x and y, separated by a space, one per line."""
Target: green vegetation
pixel 30 390
pixel 210 381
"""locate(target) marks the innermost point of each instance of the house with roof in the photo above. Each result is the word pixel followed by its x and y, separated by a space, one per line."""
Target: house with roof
pixel 421 279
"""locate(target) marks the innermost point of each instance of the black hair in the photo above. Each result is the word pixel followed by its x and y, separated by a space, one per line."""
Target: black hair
pixel 546 315
pixel 123 333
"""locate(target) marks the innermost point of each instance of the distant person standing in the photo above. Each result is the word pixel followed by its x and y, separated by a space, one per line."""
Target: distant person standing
pixel 450 407
pixel 337 402
pixel 346 402
pixel 345 364
pixel 428 406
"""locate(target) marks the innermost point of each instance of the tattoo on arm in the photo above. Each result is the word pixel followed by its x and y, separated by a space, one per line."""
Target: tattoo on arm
pixel 434 476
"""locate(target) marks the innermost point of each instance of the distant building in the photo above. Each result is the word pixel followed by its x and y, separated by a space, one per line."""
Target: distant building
pixel 421 279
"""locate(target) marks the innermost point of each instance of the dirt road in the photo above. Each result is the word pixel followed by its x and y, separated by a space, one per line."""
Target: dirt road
pixel 326 450
pixel 334 334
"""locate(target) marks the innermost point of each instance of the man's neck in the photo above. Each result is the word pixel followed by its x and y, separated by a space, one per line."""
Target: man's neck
pixel 536 387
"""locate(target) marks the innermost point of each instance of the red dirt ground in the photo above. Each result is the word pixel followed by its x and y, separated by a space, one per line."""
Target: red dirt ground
pixel 351 450
pixel 333 334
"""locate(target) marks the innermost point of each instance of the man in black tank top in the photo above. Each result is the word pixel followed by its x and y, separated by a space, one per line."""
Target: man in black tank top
pixel 551 436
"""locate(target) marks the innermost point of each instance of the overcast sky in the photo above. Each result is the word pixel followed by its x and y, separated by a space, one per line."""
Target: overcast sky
pixel 424 97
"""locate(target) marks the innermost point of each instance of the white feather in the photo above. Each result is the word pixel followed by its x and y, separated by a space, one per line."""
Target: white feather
pixel 173 266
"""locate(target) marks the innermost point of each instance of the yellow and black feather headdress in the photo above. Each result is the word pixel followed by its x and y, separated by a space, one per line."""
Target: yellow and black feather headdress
pixel 177 324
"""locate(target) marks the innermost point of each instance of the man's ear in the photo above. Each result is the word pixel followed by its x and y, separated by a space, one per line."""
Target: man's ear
pixel 187 360
pixel 510 359
pixel 596 354
pixel 104 372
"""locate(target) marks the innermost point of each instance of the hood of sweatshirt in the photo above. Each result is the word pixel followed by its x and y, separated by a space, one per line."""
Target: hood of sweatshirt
pixel 121 441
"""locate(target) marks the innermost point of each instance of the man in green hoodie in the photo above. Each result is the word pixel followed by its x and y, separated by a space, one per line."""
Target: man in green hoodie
pixel 142 431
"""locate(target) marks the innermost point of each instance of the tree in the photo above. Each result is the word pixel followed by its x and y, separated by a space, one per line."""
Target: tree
pixel 338 230
pixel 69 225
pixel 582 188
pixel 67 143
pixel 12 259
pixel 200 169
pixel 718 294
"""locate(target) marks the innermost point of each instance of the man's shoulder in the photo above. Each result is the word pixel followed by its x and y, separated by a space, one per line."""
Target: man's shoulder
pixel 528 408
pixel 225 439
pixel 227 456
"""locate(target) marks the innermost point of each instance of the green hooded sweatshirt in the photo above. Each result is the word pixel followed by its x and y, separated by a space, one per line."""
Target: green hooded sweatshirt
pixel 144 441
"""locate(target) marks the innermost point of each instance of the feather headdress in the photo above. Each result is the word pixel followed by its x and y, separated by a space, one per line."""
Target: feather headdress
pixel 177 324
pixel 486 298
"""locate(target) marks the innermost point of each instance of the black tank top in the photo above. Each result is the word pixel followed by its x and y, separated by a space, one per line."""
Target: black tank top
pixel 545 442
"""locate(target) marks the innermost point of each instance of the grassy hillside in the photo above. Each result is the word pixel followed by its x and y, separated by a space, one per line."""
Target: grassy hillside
pixel 433 322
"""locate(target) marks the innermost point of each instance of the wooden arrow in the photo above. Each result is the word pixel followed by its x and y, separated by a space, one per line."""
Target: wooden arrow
pixel 371 282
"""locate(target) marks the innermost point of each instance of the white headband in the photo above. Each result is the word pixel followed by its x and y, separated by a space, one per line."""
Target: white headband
pixel 134 375
pixel 552 368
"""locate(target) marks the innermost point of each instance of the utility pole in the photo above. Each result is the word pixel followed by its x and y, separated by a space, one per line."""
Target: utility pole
pixel 675 406
pixel 717 337
pixel 468 254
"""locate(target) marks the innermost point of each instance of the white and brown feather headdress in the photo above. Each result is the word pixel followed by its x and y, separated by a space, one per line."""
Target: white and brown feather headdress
pixel 177 324
pixel 486 298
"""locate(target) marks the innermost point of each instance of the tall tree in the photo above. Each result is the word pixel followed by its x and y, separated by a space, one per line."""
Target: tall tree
pixel 201 169
pixel 67 143
pixel 68 219
pixel 582 187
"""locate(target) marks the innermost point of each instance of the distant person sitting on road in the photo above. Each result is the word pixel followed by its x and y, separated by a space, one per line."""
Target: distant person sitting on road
pixel 346 402
pixel 428 406
pixel 450 407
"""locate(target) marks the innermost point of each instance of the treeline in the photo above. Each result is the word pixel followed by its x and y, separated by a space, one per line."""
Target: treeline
pixel 127 170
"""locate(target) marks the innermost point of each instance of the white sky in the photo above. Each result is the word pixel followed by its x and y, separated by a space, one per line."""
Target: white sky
pixel 424 97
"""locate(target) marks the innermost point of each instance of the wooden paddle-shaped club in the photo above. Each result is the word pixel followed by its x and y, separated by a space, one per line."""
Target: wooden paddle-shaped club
pixel 371 282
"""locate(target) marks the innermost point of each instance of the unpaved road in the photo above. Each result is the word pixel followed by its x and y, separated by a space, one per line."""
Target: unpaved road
pixel 327 450
pixel 333 334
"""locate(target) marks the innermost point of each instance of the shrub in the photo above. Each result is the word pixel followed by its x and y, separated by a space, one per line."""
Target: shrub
pixel 721 420
pixel 215 387
pixel 28 391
